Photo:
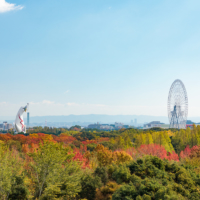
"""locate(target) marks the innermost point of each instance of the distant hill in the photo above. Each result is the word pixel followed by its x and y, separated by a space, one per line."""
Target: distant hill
pixel 94 118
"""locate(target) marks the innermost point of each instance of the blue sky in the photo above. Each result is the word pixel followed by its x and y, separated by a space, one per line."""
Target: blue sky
pixel 98 57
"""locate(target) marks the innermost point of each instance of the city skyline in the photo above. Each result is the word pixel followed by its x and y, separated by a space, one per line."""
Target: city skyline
pixel 102 57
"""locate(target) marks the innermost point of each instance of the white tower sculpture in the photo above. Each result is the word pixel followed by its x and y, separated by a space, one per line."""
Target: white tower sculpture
pixel 19 122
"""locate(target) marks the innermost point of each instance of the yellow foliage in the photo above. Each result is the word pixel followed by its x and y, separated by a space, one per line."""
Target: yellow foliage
pixel 34 135
pixel 2 142
pixel 106 157
pixel 70 133
pixel 105 192
pixel 121 157
pixel 170 133
pixel 193 162
pixel 31 186
pixel 45 136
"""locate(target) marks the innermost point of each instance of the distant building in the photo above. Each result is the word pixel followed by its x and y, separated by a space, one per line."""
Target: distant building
pixel 189 125
pixel 94 126
pixel 165 126
pixel 1 127
pixel 135 122
pixel 153 124
pixel 28 116
pixel 106 127
pixel 5 126
pixel 109 127
pixel 118 125
pixel 9 126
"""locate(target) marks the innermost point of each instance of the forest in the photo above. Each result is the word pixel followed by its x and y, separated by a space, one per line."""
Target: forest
pixel 125 164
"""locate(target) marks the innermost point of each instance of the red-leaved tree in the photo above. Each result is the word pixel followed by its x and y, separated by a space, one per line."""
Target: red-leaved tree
pixel 157 150
pixel 186 153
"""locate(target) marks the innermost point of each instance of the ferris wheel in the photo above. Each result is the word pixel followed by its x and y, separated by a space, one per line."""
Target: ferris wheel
pixel 177 105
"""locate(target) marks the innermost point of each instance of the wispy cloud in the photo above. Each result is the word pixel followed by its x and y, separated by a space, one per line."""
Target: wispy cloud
pixel 47 102
pixel 72 104
pixel 5 6
pixel 3 103
pixel 66 92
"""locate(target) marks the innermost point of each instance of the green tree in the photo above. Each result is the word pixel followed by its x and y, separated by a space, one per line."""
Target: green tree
pixel 121 174
pixel 102 173
pixel 18 190
pixel 55 174
pixel 149 139
pixel 140 139
pixel 10 168
pixel 89 185
pixel 162 138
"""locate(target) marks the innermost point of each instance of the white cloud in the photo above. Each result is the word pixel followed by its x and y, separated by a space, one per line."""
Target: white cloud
pixel 3 103
pixel 72 104
pixel 5 6
pixel 47 102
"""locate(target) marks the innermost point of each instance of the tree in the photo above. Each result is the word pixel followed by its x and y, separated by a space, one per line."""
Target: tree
pixel 121 174
pixel 186 152
pixel 162 138
pixel 149 139
pixel 104 155
pixel 105 192
pixel 102 173
pixel 140 139
pixel 10 168
pixel 127 191
pixel 19 190
pixel 55 174
pixel 89 185
pixel 157 150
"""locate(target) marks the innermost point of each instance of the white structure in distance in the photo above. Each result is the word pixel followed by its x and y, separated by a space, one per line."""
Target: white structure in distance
pixel 177 105
pixel 19 122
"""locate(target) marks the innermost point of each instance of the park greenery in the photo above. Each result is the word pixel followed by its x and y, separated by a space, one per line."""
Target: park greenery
pixel 125 164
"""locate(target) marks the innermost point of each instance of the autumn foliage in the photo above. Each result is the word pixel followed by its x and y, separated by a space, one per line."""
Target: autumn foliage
pixel 94 166
pixel 157 150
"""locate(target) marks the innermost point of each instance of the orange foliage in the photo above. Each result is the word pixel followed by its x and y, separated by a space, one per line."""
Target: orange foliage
pixel 29 148
pixel 6 137
pixel 103 139
pixel 89 142
pixel 66 139
pixel 21 138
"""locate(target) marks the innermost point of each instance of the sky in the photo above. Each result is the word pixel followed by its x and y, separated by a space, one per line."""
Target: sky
pixel 98 57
